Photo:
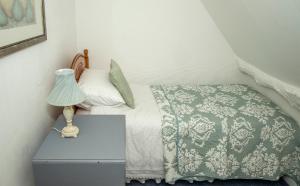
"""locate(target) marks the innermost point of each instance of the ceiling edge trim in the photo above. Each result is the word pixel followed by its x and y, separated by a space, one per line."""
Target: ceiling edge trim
pixel 290 92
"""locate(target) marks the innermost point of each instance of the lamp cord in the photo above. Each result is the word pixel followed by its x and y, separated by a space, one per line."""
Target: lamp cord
pixel 59 131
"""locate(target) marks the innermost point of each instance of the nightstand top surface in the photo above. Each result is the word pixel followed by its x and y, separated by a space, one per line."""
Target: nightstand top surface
pixel 100 138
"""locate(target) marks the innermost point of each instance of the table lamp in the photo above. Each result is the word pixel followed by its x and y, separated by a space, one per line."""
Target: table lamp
pixel 66 93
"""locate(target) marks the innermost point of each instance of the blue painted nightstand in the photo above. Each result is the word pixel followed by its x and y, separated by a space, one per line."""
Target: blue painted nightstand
pixel 95 158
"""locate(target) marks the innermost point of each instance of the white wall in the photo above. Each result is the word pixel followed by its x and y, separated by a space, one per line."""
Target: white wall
pixel 167 41
pixel 26 79
pixel 265 33
pixel 155 41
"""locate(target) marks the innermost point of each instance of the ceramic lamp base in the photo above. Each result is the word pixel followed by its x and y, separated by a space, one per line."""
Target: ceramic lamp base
pixel 70 132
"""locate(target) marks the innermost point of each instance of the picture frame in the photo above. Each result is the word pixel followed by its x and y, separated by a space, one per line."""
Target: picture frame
pixel 22 24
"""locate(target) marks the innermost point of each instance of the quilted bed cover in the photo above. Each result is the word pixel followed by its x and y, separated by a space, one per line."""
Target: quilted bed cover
pixel 225 132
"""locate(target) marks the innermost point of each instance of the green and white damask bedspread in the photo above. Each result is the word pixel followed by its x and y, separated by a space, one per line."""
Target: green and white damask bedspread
pixel 225 132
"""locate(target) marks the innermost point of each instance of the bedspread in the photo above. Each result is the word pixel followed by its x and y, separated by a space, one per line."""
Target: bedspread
pixel 225 132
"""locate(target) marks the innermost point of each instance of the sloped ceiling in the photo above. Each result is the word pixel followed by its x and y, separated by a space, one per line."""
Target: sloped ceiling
pixel 264 33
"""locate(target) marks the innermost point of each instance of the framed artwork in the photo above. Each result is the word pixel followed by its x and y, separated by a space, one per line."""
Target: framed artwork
pixel 22 24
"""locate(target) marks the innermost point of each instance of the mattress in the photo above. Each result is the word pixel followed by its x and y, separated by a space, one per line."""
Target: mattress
pixel 144 149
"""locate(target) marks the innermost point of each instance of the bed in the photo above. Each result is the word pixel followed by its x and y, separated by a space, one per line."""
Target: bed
pixel 204 132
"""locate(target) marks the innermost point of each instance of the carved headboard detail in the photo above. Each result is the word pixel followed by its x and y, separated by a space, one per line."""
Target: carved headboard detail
pixel 80 62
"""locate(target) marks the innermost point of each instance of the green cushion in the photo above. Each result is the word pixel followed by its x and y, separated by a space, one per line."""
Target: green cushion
pixel 118 80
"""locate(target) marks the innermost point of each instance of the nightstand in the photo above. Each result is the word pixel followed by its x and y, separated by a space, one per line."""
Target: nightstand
pixel 95 158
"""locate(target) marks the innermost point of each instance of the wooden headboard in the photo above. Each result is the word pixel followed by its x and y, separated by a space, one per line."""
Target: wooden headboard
pixel 80 62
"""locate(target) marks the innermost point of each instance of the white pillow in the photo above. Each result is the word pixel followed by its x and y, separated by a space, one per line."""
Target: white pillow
pixel 98 89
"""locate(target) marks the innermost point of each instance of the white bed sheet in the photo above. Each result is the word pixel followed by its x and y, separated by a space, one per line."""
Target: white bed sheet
pixel 144 149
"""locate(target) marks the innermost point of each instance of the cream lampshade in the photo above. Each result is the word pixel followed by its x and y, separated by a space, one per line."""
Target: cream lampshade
pixel 66 93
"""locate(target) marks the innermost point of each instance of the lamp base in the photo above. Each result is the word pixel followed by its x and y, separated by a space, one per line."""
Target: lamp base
pixel 70 132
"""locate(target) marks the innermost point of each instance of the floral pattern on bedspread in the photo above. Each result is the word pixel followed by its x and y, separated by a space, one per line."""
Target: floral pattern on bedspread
pixel 225 132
